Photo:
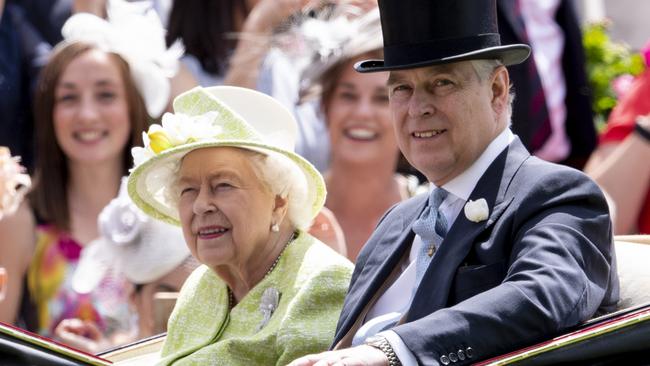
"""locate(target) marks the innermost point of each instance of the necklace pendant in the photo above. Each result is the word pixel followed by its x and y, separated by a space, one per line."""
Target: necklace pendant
pixel 432 249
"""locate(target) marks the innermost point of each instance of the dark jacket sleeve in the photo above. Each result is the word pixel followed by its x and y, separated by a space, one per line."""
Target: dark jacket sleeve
pixel 556 241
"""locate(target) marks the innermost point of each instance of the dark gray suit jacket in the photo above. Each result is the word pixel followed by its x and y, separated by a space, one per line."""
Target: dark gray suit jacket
pixel 541 263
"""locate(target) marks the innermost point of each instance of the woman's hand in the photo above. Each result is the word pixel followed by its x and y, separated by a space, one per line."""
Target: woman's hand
pixel 252 47
pixel 269 14
pixel 83 335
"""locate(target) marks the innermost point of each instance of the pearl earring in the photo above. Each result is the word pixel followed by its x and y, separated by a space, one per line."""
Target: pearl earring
pixel 275 228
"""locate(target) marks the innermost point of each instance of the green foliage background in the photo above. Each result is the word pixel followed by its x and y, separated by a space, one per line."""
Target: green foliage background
pixel 607 60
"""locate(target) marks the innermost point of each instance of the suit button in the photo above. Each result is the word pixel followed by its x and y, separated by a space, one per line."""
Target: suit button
pixel 469 352
pixel 453 357
pixel 461 355
pixel 444 360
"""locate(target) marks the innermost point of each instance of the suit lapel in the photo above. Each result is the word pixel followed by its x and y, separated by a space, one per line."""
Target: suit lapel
pixel 433 292
pixel 393 241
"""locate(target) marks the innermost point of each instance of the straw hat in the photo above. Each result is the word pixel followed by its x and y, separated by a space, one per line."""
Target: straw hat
pixel 211 117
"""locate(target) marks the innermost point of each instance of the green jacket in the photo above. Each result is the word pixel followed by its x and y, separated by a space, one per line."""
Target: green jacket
pixel 312 280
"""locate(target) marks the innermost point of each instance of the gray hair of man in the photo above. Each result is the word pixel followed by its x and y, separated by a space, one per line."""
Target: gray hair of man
pixel 280 175
pixel 484 68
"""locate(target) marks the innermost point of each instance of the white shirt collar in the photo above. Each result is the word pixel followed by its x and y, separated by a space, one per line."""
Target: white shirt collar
pixel 463 185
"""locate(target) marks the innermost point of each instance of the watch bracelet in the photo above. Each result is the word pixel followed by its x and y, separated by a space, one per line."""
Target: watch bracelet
pixel 387 349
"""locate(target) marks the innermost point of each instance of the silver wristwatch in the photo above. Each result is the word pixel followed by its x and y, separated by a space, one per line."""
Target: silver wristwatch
pixel 382 344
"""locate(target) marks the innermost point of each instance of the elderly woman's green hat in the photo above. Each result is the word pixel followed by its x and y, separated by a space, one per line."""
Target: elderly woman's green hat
pixel 221 116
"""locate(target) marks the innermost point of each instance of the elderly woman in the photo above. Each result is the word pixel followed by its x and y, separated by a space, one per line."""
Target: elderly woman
pixel 223 168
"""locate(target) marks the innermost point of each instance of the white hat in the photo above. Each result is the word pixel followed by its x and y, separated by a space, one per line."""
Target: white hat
pixel 329 39
pixel 210 117
pixel 131 243
pixel 136 34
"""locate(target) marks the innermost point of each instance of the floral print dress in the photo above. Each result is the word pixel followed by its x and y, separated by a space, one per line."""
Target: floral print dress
pixel 49 283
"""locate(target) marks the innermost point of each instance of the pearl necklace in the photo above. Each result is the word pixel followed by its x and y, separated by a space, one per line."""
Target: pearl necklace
pixel 277 259
pixel 231 296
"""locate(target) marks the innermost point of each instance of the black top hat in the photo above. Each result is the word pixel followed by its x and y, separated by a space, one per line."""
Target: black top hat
pixel 421 33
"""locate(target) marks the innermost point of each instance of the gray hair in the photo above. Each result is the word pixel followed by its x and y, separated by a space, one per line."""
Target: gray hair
pixel 280 175
pixel 484 69
pixel 285 179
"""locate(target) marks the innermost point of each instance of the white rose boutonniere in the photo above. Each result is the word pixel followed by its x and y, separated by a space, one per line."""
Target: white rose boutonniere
pixel 176 129
pixel 477 211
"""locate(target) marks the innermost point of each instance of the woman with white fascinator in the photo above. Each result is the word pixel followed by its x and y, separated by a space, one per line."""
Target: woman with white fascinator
pixel 361 179
pixel 151 254
pixel 95 97
pixel 223 168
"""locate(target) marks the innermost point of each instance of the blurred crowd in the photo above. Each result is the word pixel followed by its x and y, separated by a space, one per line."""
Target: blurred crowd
pixel 81 81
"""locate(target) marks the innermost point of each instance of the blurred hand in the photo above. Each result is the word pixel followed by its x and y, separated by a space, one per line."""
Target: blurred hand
pixel 269 14
pixel 81 334
pixel 357 356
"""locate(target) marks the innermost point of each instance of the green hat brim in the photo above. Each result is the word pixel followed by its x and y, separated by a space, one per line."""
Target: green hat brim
pixel 157 205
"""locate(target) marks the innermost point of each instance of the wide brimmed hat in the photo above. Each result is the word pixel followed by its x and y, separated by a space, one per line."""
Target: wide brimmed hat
pixel 420 33
pixel 221 116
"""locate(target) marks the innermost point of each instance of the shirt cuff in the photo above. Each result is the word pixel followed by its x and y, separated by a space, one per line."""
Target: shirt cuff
pixel 406 357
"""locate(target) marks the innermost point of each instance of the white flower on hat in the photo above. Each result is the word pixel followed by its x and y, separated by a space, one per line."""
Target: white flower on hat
pixel 181 128
pixel 121 221
pixel 131 243
pixel 176 129
pixel 316 43
pixel 14 183
pixel 477 211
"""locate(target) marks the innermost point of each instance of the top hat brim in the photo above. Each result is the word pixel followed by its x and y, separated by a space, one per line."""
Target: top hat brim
pixel 508 54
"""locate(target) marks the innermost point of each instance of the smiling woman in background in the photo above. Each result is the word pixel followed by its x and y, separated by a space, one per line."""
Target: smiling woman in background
pixel 362 182
pixel 91 107
pixel 88 115
pixel 268 291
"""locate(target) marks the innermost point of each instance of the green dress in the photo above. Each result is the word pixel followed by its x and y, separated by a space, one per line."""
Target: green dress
pixel 312 281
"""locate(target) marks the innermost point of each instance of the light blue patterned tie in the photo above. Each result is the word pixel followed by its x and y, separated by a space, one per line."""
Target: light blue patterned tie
pixel 431 226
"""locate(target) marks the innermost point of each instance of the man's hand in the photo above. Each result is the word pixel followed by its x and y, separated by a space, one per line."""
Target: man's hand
pixel 357 356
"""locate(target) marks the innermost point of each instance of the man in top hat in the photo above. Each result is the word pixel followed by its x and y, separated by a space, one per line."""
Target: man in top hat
pixel 507 249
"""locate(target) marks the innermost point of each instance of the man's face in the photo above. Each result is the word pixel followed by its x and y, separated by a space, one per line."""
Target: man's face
pixel 444 116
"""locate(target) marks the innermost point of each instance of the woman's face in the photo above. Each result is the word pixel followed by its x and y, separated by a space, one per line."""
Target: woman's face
pixel 225 210
pixel 359 119
pixel 91 114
